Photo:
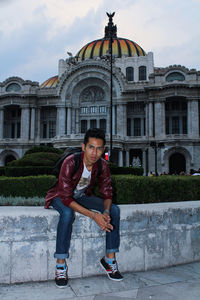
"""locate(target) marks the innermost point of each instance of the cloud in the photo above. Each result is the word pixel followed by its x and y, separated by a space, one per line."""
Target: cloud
pixel 42 31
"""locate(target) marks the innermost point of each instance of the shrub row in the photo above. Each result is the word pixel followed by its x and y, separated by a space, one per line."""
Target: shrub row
pixel 136 189
pixel 27 171
pixel 2 171
pixel 16 171
pixel 127 189
pixel 43 149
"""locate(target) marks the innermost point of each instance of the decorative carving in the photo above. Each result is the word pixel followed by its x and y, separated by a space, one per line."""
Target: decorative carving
pixel 92 94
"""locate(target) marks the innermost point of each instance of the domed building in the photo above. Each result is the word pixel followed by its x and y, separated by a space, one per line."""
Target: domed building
pixel 153 120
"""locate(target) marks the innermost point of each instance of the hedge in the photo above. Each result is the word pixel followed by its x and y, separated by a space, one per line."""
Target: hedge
pixel 43 149
pixel 27 171
pixel 2 171
pixel 27 187
pixel 127 189
pixel 36 159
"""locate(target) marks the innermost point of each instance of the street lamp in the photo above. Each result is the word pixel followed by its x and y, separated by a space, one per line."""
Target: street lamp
pixel 110 33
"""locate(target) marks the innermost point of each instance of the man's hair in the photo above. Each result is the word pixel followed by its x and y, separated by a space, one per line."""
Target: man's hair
pixel 94 133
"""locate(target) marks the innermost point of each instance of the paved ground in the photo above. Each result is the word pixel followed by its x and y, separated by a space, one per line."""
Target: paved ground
pixel 175 283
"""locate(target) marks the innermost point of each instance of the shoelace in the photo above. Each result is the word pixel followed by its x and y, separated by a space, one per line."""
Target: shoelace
pixel 61 273
pixel 113 267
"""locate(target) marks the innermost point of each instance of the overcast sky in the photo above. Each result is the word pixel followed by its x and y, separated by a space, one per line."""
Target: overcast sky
pixel 35 34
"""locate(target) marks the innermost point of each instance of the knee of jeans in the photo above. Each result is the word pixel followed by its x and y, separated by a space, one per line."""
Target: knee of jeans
pixel 67 215
pixel 115 211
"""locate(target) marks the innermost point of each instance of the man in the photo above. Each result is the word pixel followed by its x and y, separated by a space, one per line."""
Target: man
pixel 73 193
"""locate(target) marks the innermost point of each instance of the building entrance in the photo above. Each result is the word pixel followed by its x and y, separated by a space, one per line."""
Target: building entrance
pixel 177 163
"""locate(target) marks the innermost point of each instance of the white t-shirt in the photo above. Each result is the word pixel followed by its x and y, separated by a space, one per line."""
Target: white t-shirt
pixel 83 183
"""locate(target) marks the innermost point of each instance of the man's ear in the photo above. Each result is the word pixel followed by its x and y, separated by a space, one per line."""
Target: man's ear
pixel 83 147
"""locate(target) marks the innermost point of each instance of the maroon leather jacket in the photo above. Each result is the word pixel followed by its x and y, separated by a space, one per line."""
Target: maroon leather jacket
pixel 66 184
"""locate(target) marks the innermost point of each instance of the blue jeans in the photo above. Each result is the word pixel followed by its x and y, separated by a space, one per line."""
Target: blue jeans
pixel 67 217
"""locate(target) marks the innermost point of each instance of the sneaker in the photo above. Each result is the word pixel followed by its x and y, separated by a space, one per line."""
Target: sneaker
pixel 61 277
pixel 111 270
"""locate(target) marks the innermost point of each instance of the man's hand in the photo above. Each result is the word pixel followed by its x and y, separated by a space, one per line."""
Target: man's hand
pixel 103 221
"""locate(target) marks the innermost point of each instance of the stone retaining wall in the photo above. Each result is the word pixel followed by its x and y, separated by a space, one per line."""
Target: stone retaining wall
pixel 152 236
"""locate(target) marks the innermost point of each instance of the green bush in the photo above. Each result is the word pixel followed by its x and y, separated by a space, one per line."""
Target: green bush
pixel 127 189
pixel 2 171
pixel 43 149
pixel 136 189
pixel 36 159
pixel 25 186
pixel 126 170
pixel 27 171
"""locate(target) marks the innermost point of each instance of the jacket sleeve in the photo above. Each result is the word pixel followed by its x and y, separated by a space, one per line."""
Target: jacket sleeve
pixel 66 187
pixel 105 187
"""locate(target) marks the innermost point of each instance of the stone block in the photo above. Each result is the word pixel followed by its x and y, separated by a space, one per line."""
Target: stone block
pixel 93 250
pixel 131 252
pixel 29 261
pixel 156 249
pixel 5 262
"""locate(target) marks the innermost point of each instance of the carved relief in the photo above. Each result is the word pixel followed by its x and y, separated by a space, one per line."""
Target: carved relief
pixel 92 94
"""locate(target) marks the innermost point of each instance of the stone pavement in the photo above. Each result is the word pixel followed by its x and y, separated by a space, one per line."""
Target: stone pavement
pixel 175 283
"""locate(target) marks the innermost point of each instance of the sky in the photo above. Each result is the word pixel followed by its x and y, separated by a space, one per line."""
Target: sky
pixel 35 34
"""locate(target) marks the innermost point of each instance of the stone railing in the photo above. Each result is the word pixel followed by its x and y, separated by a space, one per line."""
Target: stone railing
pixel 152 236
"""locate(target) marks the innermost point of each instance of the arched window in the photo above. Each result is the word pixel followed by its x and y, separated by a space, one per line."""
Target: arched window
pixel 142 73
pixel 129 73
pixel 13 87
pixel 175 76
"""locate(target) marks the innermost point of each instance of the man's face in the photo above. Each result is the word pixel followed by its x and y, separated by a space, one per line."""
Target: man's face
pixel 92 151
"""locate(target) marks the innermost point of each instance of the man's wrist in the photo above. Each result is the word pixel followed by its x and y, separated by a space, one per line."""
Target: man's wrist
pixel 106 211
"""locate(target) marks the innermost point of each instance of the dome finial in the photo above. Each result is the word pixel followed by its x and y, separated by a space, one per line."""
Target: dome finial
pixel 110 29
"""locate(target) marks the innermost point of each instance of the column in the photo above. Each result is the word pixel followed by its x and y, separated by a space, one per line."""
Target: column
pixel 146 109
pixel 159 119
pixel 69 120
pixel 127 158
pixel 120 158
pixel 120 116
pixel 32 137
pixel 60 122
pixel 144 161
pixel 73 121
pixel 38 117
pixel 108 121
pixel 194 112
pixel 113 119
pixel 150 119
pixel 77 120
pixel 1 123
pixel 25 119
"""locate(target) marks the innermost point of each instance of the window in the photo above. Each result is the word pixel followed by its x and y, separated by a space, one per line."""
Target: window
pixel 13 87
pixel 142 73
pixel 103 124
pixel 83 126
pixel 176 115
pixel 137 127
pixel 12 122
pixel 129 127
pixel 93 123
pixel 93 109
pixel 175 76
pixel 84 110
pixel 102 109
pixel 129 73
pixel 175 125
pixel 48 122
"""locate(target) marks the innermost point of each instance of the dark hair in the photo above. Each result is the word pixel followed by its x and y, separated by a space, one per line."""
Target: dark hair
pixel 94 133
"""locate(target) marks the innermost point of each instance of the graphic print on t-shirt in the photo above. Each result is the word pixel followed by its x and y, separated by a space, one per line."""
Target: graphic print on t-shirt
pixel 83 183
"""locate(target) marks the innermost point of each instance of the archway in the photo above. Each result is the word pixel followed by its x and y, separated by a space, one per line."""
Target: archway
pixel 9 158
pixel 177 163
